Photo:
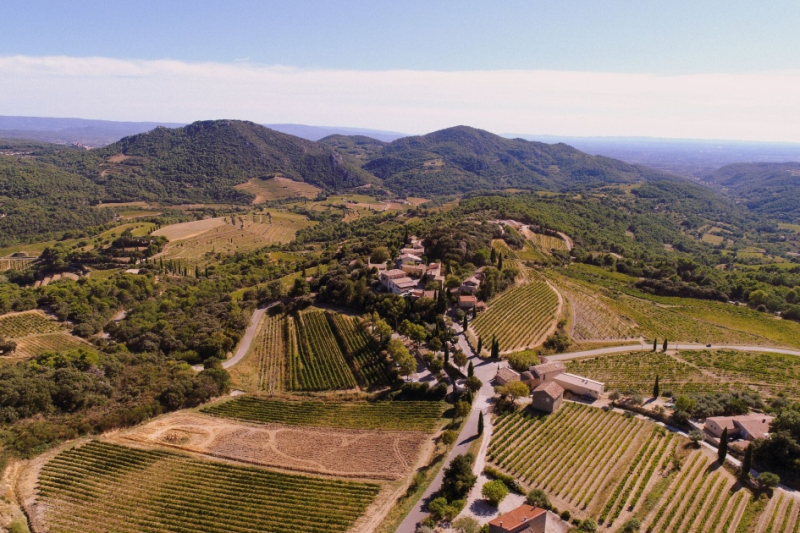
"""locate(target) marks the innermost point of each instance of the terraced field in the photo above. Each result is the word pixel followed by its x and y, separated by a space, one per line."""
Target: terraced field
pixel 278 189
pixel 592 317
pixel 18 325
pixel 601 464
pixel 101 487
pixel 520 317
pixel 372 369
pixel 315 361
pixel 404 416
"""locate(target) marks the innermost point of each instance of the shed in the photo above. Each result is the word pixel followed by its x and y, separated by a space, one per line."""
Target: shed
pixel 548 397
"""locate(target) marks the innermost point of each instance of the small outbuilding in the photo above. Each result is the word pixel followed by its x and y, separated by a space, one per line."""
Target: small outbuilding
pixel 506 375
pixel 523 519
pixel 548 397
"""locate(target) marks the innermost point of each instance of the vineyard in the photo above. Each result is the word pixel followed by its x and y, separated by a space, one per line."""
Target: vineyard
pixel 102 487
pixel 406 416
pixel 592 318
pixel 371 367
pixel 573 455
pixel 782 515
pixel 614 468
pixel 270 353
pixel 520 317
pixel 637 372
pixel 18 325
pixel 694 371
pixel 315 361
pixel 38 344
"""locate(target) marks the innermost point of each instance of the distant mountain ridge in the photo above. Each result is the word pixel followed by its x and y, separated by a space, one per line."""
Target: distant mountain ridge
pixel 771 189
pixel 463 159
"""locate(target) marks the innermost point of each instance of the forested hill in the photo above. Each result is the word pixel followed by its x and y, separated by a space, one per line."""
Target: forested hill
pixel 204 160
pixel 462 159
pixel 770 189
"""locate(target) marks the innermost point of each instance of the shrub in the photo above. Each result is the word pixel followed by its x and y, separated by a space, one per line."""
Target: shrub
pixel 768 479
pixel 494 491
pixel 458 477
pixel 696 436
pixel 466 524
pixel 565 515
pixel 509 481
pixel 631 526
pixel 588 526
pixel 538 498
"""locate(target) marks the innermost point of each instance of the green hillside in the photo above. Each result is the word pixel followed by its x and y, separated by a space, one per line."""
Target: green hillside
pixel 770 189
pixel 462 159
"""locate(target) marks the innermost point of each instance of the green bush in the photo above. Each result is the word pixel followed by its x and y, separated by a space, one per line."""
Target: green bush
pixel 494 491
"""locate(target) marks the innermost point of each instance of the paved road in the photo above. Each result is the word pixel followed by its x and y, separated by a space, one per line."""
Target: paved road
pixel 247 339
pixel 677 346
pixel 485 372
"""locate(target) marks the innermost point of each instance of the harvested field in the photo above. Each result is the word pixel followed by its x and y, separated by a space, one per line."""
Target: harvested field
pixel 278 188
pixel 399 416
pixel 102 487
pixel 186 230
pixel 353 453
pixel 195 242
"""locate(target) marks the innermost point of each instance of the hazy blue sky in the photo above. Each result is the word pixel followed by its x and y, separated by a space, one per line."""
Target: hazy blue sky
pixel 671 68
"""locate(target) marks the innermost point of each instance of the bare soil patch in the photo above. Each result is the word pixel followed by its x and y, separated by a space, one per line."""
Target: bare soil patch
pixel 336 452
pixel 186 230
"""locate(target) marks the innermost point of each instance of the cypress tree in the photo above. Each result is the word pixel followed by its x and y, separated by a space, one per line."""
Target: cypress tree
pixel 196 271
pixel 722 450
pixel 446 354
pixel 747 462
pixel 499 261
pixel 656 389
pixel 493 256
pixel 480 346
pixel 480 423
pixel 655 344
pixel 470 370
pixel 665 345
pixel 466 323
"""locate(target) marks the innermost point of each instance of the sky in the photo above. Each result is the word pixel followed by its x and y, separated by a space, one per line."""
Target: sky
pixel 687 69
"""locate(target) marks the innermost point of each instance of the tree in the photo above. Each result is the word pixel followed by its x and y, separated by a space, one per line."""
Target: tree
pixel 499 261
pixel 631 526
pixel 7 345
pixel 473 383
pixel 466 323
pixel 449 437
pixel 463 409
pixel 380 255
pixel 588 526
pixel 494 491
pixel 769 480
pixel 538 498
pixel 655 344
pixel 400 355
pixel 517 389
pixel 435 344
pixel 665 345
pixel 383 329
pixel 480 423
pixel 467 524
pixel 747 462
pixel 722 450
pixel 460 359
pixel 656 389
pixel 493 256
pixel 696 436
pixel 458 477
pixel 470 370
pixel 480 346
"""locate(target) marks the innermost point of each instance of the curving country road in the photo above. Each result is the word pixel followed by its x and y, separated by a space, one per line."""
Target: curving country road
pixel 247 339
pixel 677 346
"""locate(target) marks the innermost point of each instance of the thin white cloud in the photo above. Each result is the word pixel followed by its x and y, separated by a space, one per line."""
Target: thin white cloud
pixel 720 106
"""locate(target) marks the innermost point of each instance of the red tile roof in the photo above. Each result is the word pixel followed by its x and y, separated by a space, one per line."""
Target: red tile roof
pixel 513 519
pixel 550 388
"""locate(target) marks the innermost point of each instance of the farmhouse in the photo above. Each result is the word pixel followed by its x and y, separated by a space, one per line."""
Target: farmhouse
pixel 506 375
pixel 409 259
pixel 470 285
pixel 397 282
pixel 748 427
pixel 380 267
pixel 556 372
pixel 523 519
pixel 467 301
pixel 548 397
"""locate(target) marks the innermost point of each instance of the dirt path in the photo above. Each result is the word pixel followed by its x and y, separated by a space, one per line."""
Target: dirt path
pixel 247 339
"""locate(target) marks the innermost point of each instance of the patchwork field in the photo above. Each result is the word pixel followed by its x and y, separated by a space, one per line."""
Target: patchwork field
pixel 102 487
pixel 37 344
pixel 602 464
pixel 371 454
pixel 199 241
pixel 278 188
pixel 520 317
pixel 400 416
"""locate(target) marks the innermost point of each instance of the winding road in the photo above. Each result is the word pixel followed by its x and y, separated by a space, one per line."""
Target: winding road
pixel 676 346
